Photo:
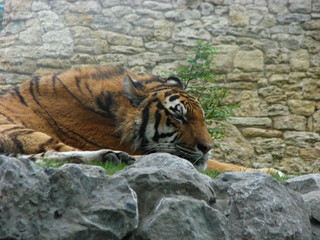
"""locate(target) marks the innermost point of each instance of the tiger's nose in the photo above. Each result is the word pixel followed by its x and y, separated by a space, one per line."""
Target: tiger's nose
pixel 204 147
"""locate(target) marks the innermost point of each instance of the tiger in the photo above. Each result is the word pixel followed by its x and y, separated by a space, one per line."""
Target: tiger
pixel 105 113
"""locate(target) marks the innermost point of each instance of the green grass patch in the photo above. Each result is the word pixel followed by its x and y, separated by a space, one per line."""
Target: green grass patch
pixel 112 168
pixel 109 167
pixel 212 174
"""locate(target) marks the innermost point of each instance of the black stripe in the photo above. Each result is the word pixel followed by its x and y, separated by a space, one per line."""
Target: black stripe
pixel 55 78
pixel 53 123
pixel 105 102
pixel 107 73
pixel 161 107
pixel 32 93
pixel 145 120
pixel 170 123
pixel 78 83
pixel 43 146
pixel 17 91
pixel 36 81
pixel 8 118
pixel 174 97
pixel 157 117
pixel 17 144
pixel 11 129
pixel 88 88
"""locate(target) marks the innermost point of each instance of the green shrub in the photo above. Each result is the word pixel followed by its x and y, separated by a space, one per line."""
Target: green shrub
pixel 197 77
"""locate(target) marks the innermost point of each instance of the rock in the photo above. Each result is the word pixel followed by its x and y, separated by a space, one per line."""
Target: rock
pixel 234 148
pixel 253 202
pixel 156 176
pixel 301 139
pixel 250 105
pixel 250 121
pixel 304 184
pixel 309 187
pixel 224 63
pixel 311 89
pixel 301 107
pixel 260 132
pixel 249 61
pixel 278 109
pixel 238 16
pixel 310 154
pixel 274 146
pixel 179 217
pixel 316 121
pixel 301 6
pixel 72 202
pixel 300 60
pixel 291 122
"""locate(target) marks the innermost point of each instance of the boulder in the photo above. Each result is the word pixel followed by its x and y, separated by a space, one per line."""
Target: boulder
pixel 309 187
pixel 258 207
pixel 71 202
pixel 160 196
pixel 160 175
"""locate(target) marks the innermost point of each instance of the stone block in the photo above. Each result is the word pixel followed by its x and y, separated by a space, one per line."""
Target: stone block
pixel 278 110
pixel 300 6
pixel 162 30
pixel 292 151
pixel 238 16
pixel 154 5
pixel 312 25
pixel 261 132
pixel 291 122
pixel 301 139
pixel 310 154
pixel 301 107
pixel 143 59
pixel 279 79
pixel 92 7
pixel 38 6
pixel 300 60
pixel 311 88
pixel 316 121
pixel 50 20
pixel 274 146
pixel 234 148
pixel 224 61
pixel 249 61
pixel 250 121
pixel 118 39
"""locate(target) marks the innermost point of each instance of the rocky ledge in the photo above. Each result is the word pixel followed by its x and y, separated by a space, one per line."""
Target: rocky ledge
pixel 159 197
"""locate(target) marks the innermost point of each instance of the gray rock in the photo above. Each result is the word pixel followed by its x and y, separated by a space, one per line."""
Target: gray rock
pixel 304 184
pixel 174 200
pixel 156 176
pixel 72 202
pixel 185 218
pixel 258 207
pixel 309 187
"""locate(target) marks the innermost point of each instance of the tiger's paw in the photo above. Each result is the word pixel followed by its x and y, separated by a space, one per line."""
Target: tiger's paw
pixel 105 155
pixel 117 157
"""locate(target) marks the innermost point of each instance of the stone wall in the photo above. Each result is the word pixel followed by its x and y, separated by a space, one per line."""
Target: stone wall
pixel 269 60
pixel 1 12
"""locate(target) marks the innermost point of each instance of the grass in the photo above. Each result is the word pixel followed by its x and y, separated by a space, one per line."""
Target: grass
pixel 109 167
pixel 112 168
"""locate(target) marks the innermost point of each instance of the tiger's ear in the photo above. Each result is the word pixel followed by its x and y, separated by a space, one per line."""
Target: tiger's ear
pixel 175 82
pixel 133 90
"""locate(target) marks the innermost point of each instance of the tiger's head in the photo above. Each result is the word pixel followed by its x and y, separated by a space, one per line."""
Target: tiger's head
pixel 168 120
